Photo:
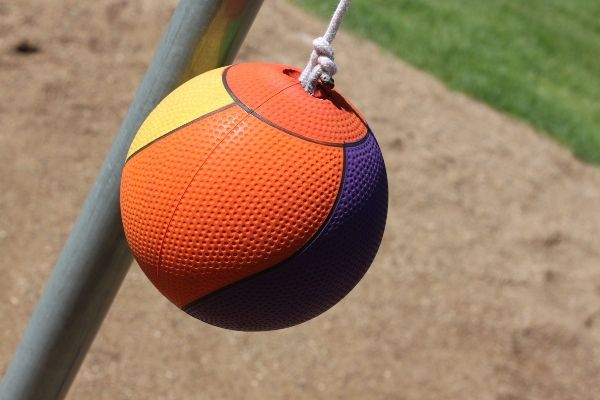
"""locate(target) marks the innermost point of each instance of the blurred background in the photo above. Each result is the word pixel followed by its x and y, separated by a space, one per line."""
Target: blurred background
pixel 487 283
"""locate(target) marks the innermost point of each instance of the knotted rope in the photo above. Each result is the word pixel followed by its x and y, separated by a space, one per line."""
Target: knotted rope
pixel 321 65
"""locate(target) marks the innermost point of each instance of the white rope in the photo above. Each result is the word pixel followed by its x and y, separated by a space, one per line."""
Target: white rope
pixel 321 65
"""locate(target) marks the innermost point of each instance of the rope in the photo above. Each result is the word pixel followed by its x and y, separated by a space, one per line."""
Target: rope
pixel 321 65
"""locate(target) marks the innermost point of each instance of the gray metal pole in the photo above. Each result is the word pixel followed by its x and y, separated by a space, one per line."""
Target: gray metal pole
pixel 202 34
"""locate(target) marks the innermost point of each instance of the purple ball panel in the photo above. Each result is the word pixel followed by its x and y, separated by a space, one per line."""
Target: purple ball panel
pixel 325 270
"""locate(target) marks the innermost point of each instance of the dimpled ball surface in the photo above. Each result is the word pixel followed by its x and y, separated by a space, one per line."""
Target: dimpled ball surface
pixel 251 204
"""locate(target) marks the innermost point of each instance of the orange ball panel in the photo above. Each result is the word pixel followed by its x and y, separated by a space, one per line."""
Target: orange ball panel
pixel 155 179
pixel 255 83
pixel 259 197
pixel 328 120
pixel 275 94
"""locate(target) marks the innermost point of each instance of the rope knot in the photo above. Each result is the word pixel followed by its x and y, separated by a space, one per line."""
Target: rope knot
pixel 322 47
pixel 325 59
pixel 321 67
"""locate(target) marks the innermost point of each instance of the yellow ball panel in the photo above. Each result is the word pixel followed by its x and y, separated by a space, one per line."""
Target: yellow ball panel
pixel 199 96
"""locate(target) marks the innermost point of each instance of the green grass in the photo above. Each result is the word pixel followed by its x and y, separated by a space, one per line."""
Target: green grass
pixel 536 59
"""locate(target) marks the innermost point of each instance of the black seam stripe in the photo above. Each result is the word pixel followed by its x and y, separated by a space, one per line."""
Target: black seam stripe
pixel 362 139
pixel 233 96
pixel 306 138
pixel 282 129
pixel 180 127
pixel 296 254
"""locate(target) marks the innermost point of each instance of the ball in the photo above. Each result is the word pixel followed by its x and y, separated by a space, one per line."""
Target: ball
pixel 251 204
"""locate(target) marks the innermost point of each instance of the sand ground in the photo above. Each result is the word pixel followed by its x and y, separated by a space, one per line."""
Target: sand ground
pixel 487 284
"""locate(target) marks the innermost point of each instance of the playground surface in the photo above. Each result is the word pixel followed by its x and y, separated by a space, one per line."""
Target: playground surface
pixel 487 284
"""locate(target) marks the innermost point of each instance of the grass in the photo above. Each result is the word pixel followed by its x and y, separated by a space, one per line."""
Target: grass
pixel 536 59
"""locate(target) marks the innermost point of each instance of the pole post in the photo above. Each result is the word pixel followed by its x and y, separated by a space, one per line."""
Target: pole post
pixel 202 34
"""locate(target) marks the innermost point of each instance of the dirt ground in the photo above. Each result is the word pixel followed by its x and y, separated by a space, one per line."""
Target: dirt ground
pixel 487 284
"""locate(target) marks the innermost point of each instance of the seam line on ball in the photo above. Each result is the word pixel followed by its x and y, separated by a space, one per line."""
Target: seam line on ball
pixel 298 253
pixel 225 136
pixel 308 139
pixel 169 133
pixel 233 96
pixel 361 140
pixel 296 135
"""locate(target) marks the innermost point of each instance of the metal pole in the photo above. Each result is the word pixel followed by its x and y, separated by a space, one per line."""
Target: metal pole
pixel 201 35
